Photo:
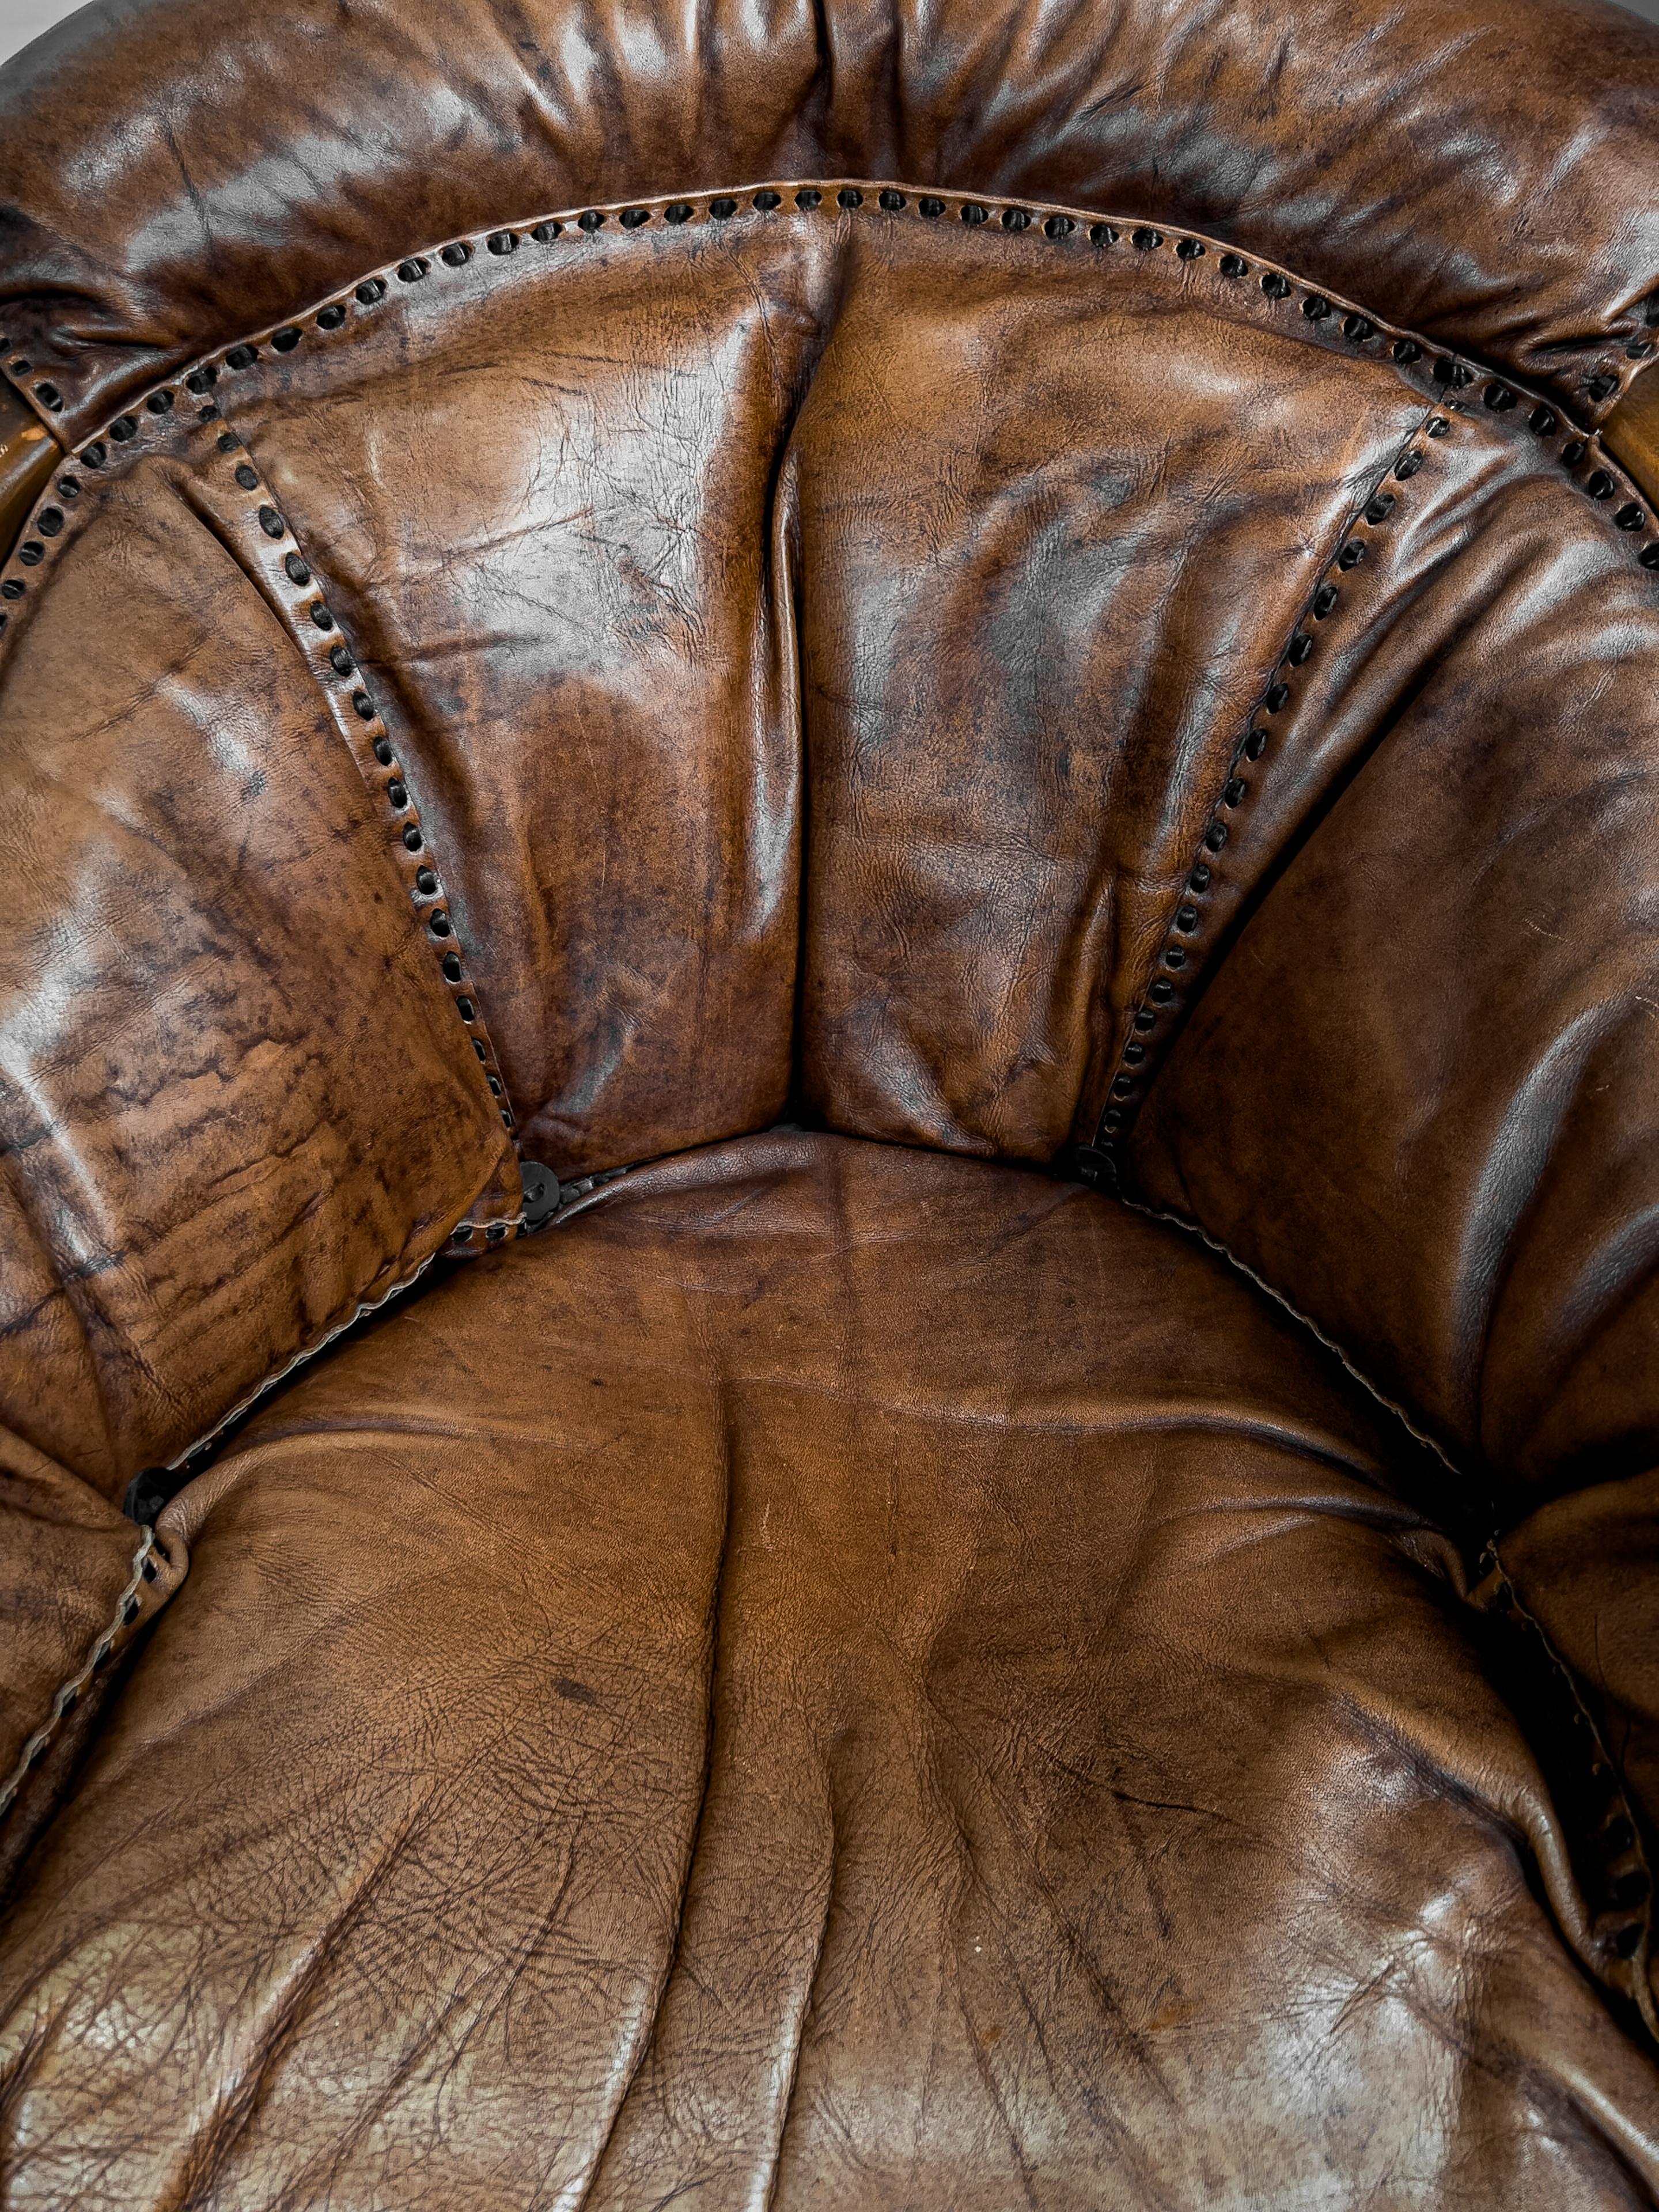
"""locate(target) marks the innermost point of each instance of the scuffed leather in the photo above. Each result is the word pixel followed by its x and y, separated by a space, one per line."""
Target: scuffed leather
pixel 839 1676
pixel 1418 1094
pixel 234 1101
pixel 1480 168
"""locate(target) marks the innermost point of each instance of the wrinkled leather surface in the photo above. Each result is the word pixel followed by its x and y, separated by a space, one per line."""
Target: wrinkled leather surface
pixel 970 550
pixel 840 1675
pixel 1419 1095
pixel 1586 1567
pixel 1480 168
pixel 234 1103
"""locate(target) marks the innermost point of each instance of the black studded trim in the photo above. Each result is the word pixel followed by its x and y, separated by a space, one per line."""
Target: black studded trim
pixel 1191 937
pixel 106 1647
pixel 1609 1853
pixel 294 587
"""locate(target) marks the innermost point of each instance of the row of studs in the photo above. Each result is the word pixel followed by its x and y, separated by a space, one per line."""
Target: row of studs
pixel 1359 330
pixel 1599 388
pixel 1182 941
pixel 1622 1925
pixel 425 889
pixel 68 1695
pixel 1599 484
pixel 50 518
pixel 50 523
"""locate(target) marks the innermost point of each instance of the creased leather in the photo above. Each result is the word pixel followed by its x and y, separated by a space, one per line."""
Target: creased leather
pixel 1483 168
pixel 839 1675
pixel 1585 1566
pixel 968 550
pixel 1418 1096
pixel 234 1101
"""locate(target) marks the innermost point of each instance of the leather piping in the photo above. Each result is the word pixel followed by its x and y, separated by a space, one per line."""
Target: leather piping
pixel 68 1694
pixel 1628 1969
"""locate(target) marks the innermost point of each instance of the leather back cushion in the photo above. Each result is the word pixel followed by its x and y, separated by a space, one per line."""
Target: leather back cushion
pixel 817 634
pixel 1481 168
pixel 1421 1095
pixel 883 652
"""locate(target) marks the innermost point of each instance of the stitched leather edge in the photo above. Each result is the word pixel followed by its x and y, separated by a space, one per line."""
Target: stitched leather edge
pixel 269 548
pixel 69 1693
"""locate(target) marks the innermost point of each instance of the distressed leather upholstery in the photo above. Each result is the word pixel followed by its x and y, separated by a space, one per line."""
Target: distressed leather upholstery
pixel 982 684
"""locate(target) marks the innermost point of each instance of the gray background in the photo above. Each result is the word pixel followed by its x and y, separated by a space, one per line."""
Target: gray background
pixel 23 20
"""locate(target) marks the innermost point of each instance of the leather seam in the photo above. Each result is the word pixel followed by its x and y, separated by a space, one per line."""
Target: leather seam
pixel 383 774
pixel 250 524
pixel 1181 971
pixel 1629 1968
pixel 1059 228
pixel 1606 383
pixel 1192 1228
pixel 69 1693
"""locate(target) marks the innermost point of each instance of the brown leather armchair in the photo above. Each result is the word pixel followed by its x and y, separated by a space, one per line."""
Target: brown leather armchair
pixel 829 1106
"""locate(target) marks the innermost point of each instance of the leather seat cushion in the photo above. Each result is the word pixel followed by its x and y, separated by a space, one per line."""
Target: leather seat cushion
pixel 841 1675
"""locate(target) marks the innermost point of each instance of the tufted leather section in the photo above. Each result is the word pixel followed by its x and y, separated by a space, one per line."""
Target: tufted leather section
pixel 1418 1096
pixel 235 1104
pixel 840 1675
pixel 936 563
pixel 1482 168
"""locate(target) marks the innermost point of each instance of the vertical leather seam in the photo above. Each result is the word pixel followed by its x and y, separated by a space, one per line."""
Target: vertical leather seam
pixel 364 734
pixel 1181 972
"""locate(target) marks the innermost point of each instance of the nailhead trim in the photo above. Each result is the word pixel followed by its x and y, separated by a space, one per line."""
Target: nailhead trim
pixel 1064 231
pixel 1158 1015
pixel 339 677
pixel 341 682
pixel 68 1694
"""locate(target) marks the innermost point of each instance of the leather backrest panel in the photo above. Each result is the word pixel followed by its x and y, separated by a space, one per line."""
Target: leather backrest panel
pixel 1482 168
pixel 1060 509
pixel 933 563
pixel 1421 1095
pixel 235 1102
pixel 540 489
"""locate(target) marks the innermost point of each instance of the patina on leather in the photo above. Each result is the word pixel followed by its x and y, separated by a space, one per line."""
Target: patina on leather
pixel 981 679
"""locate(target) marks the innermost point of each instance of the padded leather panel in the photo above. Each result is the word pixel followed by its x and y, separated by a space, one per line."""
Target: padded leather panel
pixel 967 548
pixel 234 1099
pixel 540 490
pixel 838 1676
pixel 1482 167
pixel 1421 1095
